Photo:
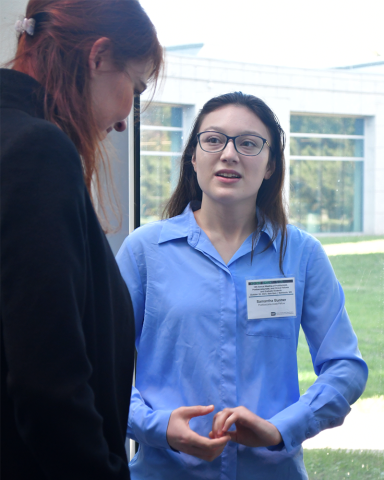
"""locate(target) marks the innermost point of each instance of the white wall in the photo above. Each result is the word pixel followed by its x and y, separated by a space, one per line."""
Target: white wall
pixel 193 81
pixel 10 11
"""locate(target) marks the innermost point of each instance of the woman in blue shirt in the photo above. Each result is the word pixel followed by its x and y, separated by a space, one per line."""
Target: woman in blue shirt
pixel 220 290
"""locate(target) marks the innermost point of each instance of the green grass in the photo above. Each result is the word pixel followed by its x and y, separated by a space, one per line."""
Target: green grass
pixel 349 239
pixel 329 464
pixel 362 278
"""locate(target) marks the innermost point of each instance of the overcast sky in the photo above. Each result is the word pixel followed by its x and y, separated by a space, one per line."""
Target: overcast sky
pixel 303 33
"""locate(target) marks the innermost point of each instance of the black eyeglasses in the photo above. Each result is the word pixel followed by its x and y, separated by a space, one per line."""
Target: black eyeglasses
pixel 215 142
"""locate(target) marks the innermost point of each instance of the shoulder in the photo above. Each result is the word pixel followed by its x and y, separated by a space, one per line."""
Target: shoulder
pixel 145 235
pixel 137 249
pixel 39 165
pixel 27 138
pixel 297 238
pixel 305 250
pixel 153 235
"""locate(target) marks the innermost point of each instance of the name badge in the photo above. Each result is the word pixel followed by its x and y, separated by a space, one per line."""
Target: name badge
pixel 272 297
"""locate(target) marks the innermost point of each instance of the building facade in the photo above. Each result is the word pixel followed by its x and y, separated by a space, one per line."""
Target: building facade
pixel 333 120
pixel 334 125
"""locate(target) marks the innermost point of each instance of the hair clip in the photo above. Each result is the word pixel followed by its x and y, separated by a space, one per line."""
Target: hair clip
pixel 27 25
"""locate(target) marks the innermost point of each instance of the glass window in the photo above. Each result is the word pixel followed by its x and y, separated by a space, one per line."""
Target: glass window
pixel 160 141
pixel 162 116
pixel 327 147
pixel 327 125
pixel 326 196
pixel 326 173
pixel 161 138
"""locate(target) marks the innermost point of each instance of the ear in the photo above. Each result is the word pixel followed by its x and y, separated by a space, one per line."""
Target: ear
pixel 100 55
pixel 269 171
pixel 194 161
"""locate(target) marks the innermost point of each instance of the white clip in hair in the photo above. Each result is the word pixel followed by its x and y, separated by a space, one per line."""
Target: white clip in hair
pixel 27 25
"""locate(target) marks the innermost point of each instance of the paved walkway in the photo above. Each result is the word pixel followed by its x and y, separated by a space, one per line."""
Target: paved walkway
pixel 363 429
pixel 355 248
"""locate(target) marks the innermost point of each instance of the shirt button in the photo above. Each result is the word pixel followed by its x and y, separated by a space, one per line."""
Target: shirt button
pixel 293 443
pixel 307 434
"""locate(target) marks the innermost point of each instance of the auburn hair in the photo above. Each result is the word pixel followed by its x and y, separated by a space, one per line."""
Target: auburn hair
pixel 269 202
pixel 57 56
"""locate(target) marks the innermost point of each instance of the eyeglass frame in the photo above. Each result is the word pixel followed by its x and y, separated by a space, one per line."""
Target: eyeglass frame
pixel 265 141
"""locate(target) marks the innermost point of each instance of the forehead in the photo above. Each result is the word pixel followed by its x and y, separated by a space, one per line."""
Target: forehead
pixel 234 120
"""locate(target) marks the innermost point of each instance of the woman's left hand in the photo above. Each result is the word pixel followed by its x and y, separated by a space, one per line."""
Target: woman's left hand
pixel 251 430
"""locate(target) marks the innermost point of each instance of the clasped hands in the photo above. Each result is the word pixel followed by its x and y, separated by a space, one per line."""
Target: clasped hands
pixel 251 430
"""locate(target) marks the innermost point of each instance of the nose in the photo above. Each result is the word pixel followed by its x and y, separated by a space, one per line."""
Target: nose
pixel 229 154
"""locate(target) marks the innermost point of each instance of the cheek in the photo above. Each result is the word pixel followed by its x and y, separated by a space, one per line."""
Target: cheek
pixel 125 97
pixel 127 100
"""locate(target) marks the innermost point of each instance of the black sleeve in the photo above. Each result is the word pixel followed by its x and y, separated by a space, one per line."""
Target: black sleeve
pixel 43 288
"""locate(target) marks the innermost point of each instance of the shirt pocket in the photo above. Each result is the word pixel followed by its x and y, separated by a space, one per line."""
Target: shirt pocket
pixel 271 327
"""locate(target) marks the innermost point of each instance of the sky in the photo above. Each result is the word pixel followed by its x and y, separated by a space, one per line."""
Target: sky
pixel 300 33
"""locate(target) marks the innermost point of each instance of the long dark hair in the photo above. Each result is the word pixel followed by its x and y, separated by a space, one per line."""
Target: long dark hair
pixel 270 196
pixel 57 56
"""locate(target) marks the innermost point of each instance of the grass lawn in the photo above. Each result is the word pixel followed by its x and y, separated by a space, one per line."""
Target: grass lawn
pixel 362 278
pixel 344 464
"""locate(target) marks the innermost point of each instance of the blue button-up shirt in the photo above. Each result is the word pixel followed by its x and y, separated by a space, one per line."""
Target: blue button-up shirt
pixel 196 346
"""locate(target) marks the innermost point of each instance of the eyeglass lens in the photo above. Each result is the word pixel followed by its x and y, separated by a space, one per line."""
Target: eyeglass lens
pixel 246 144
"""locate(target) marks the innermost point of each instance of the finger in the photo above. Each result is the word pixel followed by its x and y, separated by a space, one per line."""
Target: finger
pixel 197 411
pixel 205 443
pixel 206 454
pixel 229 422
pixel 219 421
pixel 210 435
pixel 233 435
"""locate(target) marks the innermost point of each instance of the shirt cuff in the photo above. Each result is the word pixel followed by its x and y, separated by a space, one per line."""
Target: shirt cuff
pixel 295 424
pixel 153 429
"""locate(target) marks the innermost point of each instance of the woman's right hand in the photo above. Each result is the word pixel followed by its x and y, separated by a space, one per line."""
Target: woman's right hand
pixel 251 430
pixel 180 436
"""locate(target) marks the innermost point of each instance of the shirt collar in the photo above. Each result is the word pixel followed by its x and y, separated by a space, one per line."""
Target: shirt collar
pixel 267 229
pixel 185 226
pixel 181 226
pixel 22 92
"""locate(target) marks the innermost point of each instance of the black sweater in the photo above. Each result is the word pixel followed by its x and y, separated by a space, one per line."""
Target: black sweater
pixel 67 337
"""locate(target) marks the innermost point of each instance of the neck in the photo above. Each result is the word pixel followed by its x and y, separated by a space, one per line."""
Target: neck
pixel 25 66
pixel 232 223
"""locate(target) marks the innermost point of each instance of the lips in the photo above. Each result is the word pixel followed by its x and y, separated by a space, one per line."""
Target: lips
pixel 227 174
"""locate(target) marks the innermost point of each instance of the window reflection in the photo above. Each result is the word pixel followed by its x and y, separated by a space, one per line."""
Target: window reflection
pixel 161 139
pixel 326 173
pixel 327 147
pixel 327 125
pixel 326 196
pixel 162 116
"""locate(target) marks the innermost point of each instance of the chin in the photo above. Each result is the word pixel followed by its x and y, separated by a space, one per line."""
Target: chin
pixel 224 199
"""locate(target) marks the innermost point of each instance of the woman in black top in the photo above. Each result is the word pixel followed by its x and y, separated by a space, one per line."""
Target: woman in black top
pixel 67 337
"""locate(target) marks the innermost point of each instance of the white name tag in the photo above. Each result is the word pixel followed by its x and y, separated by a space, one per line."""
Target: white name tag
pixel 272 297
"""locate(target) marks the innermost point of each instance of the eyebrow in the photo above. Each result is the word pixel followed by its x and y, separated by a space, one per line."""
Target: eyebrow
pixel 246 132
